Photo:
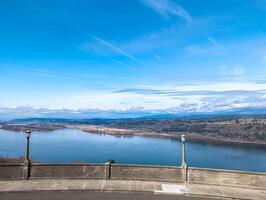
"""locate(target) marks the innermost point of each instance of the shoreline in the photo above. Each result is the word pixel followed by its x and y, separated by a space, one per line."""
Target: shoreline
pixel 191 137
pixel 118 132
pixel 16 160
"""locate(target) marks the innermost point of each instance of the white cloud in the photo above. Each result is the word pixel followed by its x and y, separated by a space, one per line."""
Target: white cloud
pixel 216 46
pixel 264 58
pixel 211 48
pixel 104 47
pixel 197 50
pixel 113 47
pixel 158 57
pixel 162 98
pixel 151 41
pixel 166 8
pixel 117 61
pixel 237 70
pixel 223 69
pixel 214 42
pixel 234 71
pixel 33 72
pixel 216 87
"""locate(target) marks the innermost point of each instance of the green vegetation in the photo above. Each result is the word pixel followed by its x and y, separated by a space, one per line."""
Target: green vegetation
pixel 223 128
pixel 240 128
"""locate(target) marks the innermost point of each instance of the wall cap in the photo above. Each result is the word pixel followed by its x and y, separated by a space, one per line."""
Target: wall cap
pixel 226 170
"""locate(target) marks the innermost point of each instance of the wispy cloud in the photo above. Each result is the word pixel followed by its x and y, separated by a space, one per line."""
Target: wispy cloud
pixel 167 98
pixel 32 71
pixel 193 49
pixel 235 71
pixel 214 42
pixel 109 50
pixel 116 61
pixel 264 58
pixel 149 42
pixel 212 47
pixel 201 97
pixel 113 47
pixel 158 57
pixel 176 93
pixel 167 8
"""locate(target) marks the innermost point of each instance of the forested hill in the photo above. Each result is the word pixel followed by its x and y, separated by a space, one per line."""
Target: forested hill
pixel 246 128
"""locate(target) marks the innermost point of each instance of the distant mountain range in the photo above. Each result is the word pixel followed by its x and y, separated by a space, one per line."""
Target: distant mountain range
pixel 66 114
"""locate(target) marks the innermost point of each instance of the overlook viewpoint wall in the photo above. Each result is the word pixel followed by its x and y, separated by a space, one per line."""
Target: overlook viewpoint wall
pixel 134 172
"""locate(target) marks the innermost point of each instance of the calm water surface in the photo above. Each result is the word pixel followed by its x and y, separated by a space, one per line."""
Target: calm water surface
pixel 74 145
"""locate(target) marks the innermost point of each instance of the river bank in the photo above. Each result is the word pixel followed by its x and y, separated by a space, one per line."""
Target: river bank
pixel 73 145
pixel 4 160
pixel 193 137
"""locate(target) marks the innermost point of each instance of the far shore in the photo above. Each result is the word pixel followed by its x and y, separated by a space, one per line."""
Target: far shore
pixel 193 137
pixel 94 129
pixel 4 160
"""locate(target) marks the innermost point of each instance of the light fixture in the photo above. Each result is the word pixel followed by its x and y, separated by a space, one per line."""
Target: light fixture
pixel 183 139
pixel 28 132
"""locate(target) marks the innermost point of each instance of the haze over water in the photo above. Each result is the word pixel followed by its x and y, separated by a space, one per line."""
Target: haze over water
pixel 74 146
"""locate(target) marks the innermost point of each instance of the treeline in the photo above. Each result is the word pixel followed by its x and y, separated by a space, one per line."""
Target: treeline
pixel 243 129
pixel 232 127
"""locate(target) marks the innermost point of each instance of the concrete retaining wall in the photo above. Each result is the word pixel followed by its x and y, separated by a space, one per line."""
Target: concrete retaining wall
pixel 135 172
pixel 226 177
pixel 11 171
pixel 79 171
pixel 140 172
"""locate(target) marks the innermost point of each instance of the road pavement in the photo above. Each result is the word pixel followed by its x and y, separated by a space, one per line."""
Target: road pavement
pixel 65 189
pixel 89 195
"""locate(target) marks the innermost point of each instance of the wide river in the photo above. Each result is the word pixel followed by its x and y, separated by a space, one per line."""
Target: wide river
pixel 76 146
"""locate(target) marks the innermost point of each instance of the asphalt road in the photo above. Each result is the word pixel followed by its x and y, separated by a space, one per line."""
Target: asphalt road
pixel 88 195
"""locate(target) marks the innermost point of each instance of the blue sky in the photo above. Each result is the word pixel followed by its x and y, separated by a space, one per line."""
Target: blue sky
pixel 167 55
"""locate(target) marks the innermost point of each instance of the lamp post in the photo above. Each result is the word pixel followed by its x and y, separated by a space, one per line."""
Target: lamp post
pixel 184 163
pixel 27 154
pixel 27 163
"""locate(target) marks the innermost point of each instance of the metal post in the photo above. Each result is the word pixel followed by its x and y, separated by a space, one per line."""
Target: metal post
pixel 108 169
pixel 27 163
pixel 184 163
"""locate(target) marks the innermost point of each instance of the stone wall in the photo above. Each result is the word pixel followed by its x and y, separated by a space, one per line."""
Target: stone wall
pixel 140 172
pixel 227 177
pixel 135 172
pixel 80 171
pixel 11 171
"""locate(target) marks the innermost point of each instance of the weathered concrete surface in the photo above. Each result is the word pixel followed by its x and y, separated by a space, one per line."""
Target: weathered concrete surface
pixel 74 184
pixel 131 186
pixel 88 171
pixel 91 195
pixel 136 172
pixel 226 191
pixel 150 173
pixel 226 177
pixel 11 171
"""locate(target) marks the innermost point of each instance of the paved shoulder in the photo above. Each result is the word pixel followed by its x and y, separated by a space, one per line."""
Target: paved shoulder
pixel 88 195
